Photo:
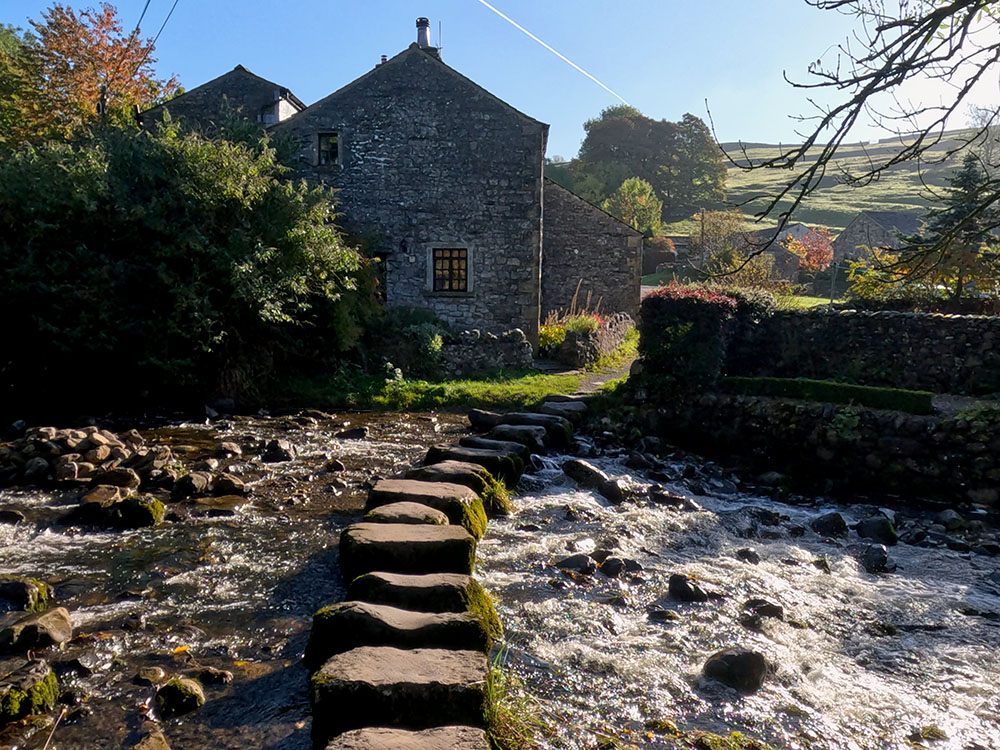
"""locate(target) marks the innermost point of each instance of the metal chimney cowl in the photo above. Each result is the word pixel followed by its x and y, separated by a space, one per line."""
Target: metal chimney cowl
pixel 424 32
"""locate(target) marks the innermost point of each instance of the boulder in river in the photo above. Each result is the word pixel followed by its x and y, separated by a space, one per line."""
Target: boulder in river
pixel 875 559
pixel 28 594
pixel 879 528
pixel 180 695
pixel 37 631
pixel 26 687
pixel 277 451
pixel 684 589
pixel 746 554
pixel 438 738
pixel 950 519
pixel 830 524
pixel 584 473
pixel 192 484
pixel 579 563
pixel 738 668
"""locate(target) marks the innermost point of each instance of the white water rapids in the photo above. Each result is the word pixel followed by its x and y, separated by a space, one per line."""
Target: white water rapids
pixel 863 661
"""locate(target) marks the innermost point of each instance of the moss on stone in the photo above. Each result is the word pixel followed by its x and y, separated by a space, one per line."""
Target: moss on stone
pixel 471 515
pixel 30 594
pixel 17 703
pixel 496 498
pixel 480 603
pixel 735 741
pixel 180 695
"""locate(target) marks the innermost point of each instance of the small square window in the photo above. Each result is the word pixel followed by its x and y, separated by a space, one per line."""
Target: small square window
pixel 328 149
pixel 451 269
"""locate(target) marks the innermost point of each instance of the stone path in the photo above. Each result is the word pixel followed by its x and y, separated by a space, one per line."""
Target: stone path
pixel 402 663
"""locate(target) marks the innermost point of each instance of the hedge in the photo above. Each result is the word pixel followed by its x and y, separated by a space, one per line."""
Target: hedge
pixel 912 402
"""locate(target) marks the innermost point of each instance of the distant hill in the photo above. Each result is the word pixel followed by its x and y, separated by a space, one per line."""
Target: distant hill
pixel 834 204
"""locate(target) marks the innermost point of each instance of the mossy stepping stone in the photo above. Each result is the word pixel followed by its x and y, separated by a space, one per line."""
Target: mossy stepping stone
pixel 390 687
pixel 26 687
pixel 346 625
pixel 535 438
pixel 429 592
pixel 501 464
pixel 439 738
pixel 473 476
pixel 459 503
pixel 406 512
pixel 405 548
pixel 501 446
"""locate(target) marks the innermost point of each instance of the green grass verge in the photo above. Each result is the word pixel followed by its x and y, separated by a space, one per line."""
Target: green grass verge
pixel 512 717
pixel 912 402
pixel 801 302
pixel 496 498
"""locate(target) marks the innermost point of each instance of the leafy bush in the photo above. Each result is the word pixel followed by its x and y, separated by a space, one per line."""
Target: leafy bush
pixel 912 402
pixel 168 265
pixel 585 323
pixel 412 339
pixel 550 336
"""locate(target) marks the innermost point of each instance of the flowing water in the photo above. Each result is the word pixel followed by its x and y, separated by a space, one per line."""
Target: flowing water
pixel 863 661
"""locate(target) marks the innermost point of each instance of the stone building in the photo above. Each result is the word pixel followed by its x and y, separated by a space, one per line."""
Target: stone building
pixel 880 229
pixel 587 254
pixel 237 92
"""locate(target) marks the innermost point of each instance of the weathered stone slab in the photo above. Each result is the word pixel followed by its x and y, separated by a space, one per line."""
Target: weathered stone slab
pixel 501 464
pixel 406 513
pixel 574 411
pixel 346 625
pixel 535 438
pixel 405 548
pixel 473 476
pixel 439 738
pixel 391 687
pixel 41 630
pixel 559 429
pixel 459 503
pixel 26 687
pixel 482 421
pixel 501 446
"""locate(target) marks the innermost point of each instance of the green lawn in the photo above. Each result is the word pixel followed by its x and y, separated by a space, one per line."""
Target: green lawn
pixel 803 302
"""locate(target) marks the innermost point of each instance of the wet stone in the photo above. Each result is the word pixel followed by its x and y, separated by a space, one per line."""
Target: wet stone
pixel 470 475
pixel 574 411
pixel 501 464
pixel 559 429
pixel 459 503
pixel 228 484
pixel 215 676
pixel 151 739
pixel 684 589
pixel 346 625
pixel 579 563
pixel 149 676
pixel 125 478
pixel 180 695
pixel 26 687
pixel 439 738
pixel 500 446
pixel 749 555
pixel 391 687
pixel 405 548
pixel 612 567
pixel 830 524
pixel 406 513
pixel 357 433
pixel 879 528
pixel 430 592
pixel 738 668
pixel 11 516
pixel 192 484
pixel 483 421
pixel 532 437
pixel 875 559
pixel 278 451
pixel 28 594
pixel 584 473
pixel 41 630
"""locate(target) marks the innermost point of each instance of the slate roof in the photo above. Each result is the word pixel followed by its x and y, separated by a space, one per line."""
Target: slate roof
pixel 905 222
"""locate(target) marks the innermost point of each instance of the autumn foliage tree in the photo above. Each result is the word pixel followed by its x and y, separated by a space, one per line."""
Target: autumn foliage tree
pixel 815 250
pixel 635 203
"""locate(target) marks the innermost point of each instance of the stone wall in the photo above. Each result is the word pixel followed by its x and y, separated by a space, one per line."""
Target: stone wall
pixel 581 348
pixel 588 253
pixel 430 160
pixel 923 351
pixel 477 351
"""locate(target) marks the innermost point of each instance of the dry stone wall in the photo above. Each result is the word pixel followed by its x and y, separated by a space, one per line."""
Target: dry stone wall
pixel 581 348
pixel 478 351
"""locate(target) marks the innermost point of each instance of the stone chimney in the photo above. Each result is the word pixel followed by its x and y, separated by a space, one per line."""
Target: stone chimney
pixel 424 32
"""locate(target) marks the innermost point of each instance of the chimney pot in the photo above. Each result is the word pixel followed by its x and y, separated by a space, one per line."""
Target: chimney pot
pixel 385 58
pixel 423 32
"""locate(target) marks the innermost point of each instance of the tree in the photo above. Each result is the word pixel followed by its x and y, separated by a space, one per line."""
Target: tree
pixel 720 240
pixel 636 204
pixel 814 249
pixel 20 117
pixel 680 160
pixel 947 40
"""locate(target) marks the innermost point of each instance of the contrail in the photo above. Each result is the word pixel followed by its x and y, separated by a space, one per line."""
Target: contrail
pixel 554 51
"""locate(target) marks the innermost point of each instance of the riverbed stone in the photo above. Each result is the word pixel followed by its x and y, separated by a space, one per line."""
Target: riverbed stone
pixel 124 478
pixel 473 476
pixel 738 668
pixel 559 429
pixel 405 548
pixel 179 695
pixel 151 739
pixel 278 451
pixel 28 594
pixel 875 559
pixel 391 687
pixel 149 676
pixel 26 687
pixel 535 438
pixel 35 468
pixel 501 446
pixel 102 495
pixel 684 589
pixel 459 503
pixel 192 484
pixel 345 625
pixel 482 420
pixel 385 738
pixel 830 524
pixel 579 563
pixel 584 473
pixel 501 464
pixel 573 411
pixel 8 515
pixel 879 528
pixel 406 513
pixel 37 631
pixel 950 519
pixel 228 484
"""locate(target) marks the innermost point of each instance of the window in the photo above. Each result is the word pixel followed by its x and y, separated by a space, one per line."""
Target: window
pixel 328 149
pixel 451 269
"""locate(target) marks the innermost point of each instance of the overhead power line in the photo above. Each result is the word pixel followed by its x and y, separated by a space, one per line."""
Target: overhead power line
pixel 551 49
pixel 156 38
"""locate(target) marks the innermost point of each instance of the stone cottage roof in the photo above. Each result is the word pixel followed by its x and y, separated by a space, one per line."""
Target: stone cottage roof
pixel 551 184
pixel 904 222
pixel 239 87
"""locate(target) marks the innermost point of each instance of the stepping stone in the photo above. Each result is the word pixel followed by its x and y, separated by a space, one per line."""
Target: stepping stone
pixel 483 420
pixel 390 687
pixel 559 429
pixel 473 476
pixel 501 446
pixel 346 625
pixel 574 411
pixel 535 438
pixel 439 738
pixel 459 503
pixel 562 398
pixel 407 513
pixel 405 548
pixel 501 464
pixel 431 592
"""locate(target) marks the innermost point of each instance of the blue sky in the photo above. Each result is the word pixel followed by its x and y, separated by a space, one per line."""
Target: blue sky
pixel 666 57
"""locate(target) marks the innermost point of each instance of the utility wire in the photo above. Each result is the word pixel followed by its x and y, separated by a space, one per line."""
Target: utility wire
pixel 128 48
pixel 551 49
pixel 156 38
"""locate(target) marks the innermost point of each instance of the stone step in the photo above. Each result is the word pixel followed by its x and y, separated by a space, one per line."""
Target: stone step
pixel 381 686
pixel 574 411
pixel 405 548
pixel 483 421
pixel 535 438
pixel 406 512
pixel 473 476
pixel 430 592
pixel 346 625
pixel 501 446
pixel 559 429
pixel 439 738
pixel 501 464
pixel 459 503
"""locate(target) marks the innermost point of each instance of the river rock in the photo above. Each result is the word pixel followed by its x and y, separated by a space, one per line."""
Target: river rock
pixel 875 559
pixel 102 495
pixel 215 676
pixel 35 468
pixel 228 484
pixel 684 589
pixel 749 555
pixel 26 687
pixel 356 433
pixel 573 411
pixel 483 421
pixel 501 464
pixel 228 448
pixel 579 563
pixel 532 437
pixel 559 429
pixel 346 625
pixel 67 471
pixel 11 516
pixel 459 503
pixel 192 484
pixel 878 528
pixel 612 567
pixel 830 524
pixel 500 446
pixel 439 738
pixel 473 476
pixel 278 451
pixel 180 695
pixel 405 548
pixel 151 739
pixel 430 592
pixel 616 491
pixel 584 473
pixel 37 631
pixel 124 478
pixel 950 519
pixel 756 610
pixel 28 594
pixel 391 687
pixel 149 676
pixel 738 668
pixel 406 513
